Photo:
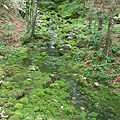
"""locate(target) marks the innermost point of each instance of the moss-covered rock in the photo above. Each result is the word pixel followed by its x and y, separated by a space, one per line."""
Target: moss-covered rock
pixel 29 117
pixel 55 86
pixel 2 72
pixel 14 117
pixel 24 100
pixel 18 94
pixel 12 70
pixel 33 68
pixel 5 84
pixel 3 119
pixel 3 95
pixel 9 104
pixel 18 106
pixel 82 82
pixel 19 114
pixel 3 101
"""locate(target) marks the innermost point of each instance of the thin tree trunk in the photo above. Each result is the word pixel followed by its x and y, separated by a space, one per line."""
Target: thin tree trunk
pixel 109 38
pixel 90 18
pixel 84 9
pixel 90 14
pixel 31 10
pixel 33 20
pixel 101 15
pixel 27 12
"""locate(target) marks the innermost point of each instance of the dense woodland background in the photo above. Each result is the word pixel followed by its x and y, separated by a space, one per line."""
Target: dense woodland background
pixel 60 60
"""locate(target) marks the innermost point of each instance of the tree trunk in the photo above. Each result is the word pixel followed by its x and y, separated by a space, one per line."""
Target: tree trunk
pixel 33 20
pixel 109 38
pixel 84 9
pixel 101 15
pixel 90 17
pixel 27 12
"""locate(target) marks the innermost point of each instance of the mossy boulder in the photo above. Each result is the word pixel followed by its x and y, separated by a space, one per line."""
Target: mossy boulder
pixel 82 82
pixel 3 95
pixel 18 106
pixel 29 117
pixel 12 70
pixel 3 119
pixel 33 68
pixel 38 92
pixel 55 86
pixel 19 114
pixel 2 72
pixel 60 83
pixel 64 48
pixel 78 52
pixel 67 56
pixel 24 100
pixel 14 117
pixel 5 84
pixel 16 78
pixel 18 94
pixel 3 101
pixel 41 43
pixel 9 104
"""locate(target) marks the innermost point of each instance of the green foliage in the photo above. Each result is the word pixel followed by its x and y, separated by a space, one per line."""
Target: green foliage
pixel 24 38
pixel 47 2
pixel 67 10
pixel 19 106
pixel 116 28
pixel 38 83
pixel 117 17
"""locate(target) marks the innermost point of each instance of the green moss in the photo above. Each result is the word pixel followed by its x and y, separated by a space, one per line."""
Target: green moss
pixel 2 73
pixel 3 101
pixel 3 119
pixel 18 106
pixel 33 68
pixel 19 114
pixel 55 86
pixel 24 100
pixel 40 84
pixel 44 54
pixel 14 117
pixel 29 117
pixel 5 84
pixel 24 38
pixel 82 82
pixel 61 84
pixel 17 94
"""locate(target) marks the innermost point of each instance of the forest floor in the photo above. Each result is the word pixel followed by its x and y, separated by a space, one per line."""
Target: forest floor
pixel 12 27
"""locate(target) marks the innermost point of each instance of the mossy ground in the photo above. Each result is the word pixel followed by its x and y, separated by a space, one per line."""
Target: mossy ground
pixel 39 82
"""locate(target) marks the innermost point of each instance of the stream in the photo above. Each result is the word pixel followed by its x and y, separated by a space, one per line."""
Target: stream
pixel 54 62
